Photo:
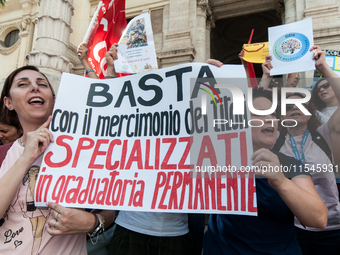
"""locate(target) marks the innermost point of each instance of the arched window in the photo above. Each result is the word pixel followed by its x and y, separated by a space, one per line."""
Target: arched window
pixel 11 38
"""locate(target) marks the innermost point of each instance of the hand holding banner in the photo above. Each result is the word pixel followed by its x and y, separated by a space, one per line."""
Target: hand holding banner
pixel 127 145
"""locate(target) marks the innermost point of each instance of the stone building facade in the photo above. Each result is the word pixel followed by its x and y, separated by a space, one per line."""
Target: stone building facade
pixel 46 33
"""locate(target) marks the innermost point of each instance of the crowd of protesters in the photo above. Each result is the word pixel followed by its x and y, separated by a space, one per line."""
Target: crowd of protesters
pixel 298 213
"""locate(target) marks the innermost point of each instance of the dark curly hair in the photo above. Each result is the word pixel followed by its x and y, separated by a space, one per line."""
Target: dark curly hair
pixel 314 121
pixel 10 117
pixel 317 101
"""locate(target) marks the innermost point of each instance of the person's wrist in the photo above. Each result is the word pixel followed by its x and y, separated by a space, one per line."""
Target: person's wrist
pixel 111 71
pixel 324 67
pixel 110 67
pixel 278 182
pixel 26 158
pixel 98 226
pixel 326 72
pixel 110 76
pixel 83 60
pixel 93 226
pixel 89 71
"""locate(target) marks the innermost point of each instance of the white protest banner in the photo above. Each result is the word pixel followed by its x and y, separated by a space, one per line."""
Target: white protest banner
pixel 289 46
pixel 142 142
pixel 136 49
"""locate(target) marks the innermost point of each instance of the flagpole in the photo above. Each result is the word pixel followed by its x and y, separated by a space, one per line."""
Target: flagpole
pixel 94 19
pixel 251 36
pixel 251 70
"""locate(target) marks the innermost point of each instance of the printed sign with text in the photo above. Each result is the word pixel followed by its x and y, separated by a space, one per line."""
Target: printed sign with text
pixel 143 143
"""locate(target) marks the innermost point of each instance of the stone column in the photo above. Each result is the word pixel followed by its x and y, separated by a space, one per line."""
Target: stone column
pixel 326 22
pixel 294 11
pixel 177 47
pixel 201 31
pixel 210 25
pixel 29 13
pixel 26 29
pixel 53 34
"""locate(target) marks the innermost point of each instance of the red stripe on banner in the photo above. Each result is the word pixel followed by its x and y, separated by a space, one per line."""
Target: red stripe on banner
pixel 213 91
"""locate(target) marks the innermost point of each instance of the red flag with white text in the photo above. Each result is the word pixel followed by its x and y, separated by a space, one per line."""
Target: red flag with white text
pixel 108 29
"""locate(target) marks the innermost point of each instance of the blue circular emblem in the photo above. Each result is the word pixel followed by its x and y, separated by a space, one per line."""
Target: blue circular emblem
pixel 291 47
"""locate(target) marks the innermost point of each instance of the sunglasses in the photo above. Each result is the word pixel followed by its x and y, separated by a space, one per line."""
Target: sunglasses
pixel 324 86
pixel 290 106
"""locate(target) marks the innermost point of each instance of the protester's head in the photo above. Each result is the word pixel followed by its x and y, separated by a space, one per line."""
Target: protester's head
pixel 310 122
pixel 263 136
pixel 27 95
pixel 322 94
pixel 293 80
pixel 10 129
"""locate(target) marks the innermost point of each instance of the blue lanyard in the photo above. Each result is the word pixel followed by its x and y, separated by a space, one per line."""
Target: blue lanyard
pixel 295 150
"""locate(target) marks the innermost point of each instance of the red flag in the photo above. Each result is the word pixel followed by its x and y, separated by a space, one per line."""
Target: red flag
pixel 107 30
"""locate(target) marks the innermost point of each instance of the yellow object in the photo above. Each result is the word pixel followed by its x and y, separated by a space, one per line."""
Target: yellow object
pixel 256 52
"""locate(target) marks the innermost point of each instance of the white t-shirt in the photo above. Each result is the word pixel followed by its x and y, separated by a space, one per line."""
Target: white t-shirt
pixel 325 184
pixel 326 113
pixel 154 223
pixel 22 229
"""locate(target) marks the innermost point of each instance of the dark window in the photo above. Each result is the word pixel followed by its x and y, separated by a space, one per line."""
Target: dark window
pixel 229 35
pixel 12 38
